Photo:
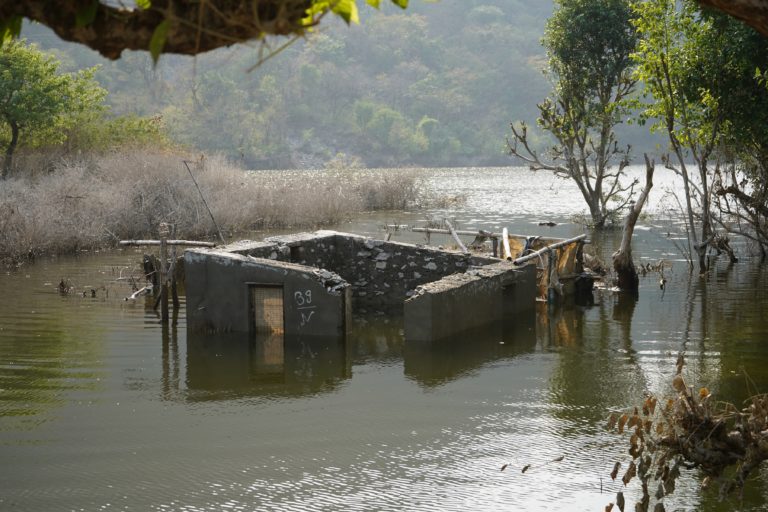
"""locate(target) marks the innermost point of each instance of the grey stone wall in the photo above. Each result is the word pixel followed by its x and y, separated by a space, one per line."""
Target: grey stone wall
pixel 382 274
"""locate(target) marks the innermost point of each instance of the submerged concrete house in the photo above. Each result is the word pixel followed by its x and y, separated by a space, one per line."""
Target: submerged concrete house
pixel 310 284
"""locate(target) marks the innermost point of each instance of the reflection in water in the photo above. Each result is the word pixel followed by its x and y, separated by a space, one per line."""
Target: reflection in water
pixel 623 309
pixel 231 366
pixel 734 323
pixel 438 362
pixel 46 352
pixel 597 369
pixel 228 366
pixel 377 339
pixel 559 325
pixel 170 357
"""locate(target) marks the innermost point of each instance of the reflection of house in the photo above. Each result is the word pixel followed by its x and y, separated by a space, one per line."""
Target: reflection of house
pixel 237 365
pixel 234 365
pixel 307 284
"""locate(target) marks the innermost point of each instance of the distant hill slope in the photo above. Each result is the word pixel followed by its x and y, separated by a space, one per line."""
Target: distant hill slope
pixel 436 85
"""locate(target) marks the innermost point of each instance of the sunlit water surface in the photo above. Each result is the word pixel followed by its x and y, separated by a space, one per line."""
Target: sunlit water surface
pixel 102 410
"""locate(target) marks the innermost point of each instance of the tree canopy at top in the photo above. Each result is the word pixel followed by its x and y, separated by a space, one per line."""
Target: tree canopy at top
pixel 192 27
pixel 173 26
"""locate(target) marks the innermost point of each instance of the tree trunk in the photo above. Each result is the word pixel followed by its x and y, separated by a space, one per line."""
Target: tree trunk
pixel 8 163
pixel 622 258
pixel 701 252
pixel 598 217
pixel 707 233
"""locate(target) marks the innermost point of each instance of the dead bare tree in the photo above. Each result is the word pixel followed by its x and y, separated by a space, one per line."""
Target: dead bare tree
pixel 576 158
pixel 622 258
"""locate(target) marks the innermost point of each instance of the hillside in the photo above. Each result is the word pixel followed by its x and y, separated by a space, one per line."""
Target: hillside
pixel 436 85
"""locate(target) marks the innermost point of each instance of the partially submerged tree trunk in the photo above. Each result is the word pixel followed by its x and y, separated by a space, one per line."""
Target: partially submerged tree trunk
pixel 622 258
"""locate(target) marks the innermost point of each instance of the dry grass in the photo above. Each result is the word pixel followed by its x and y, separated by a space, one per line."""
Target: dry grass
pixel 95 201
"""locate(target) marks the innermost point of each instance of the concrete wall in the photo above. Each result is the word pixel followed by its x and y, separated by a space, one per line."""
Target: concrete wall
pixel 315 301
pixel 465 301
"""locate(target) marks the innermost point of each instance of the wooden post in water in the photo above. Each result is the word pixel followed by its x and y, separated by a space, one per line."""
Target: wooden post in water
pixel 163 231
pixel 166 273
pixel 549 248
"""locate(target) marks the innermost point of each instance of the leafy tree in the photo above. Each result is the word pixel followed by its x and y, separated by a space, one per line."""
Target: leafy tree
pixel 687 65
pixel 39 103
pixel 589 43
pixel 741 178
pixel 191 27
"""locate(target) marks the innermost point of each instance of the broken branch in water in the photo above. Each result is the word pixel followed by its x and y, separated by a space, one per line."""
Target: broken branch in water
pixel 528 466
pixel 141 291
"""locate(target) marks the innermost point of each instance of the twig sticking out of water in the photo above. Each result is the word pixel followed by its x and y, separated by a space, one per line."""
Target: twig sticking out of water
pixel 528 466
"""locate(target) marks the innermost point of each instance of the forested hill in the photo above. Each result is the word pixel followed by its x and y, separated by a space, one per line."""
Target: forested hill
pixel 436 85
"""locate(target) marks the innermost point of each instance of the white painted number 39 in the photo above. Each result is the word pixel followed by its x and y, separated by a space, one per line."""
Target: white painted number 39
pixel 303 298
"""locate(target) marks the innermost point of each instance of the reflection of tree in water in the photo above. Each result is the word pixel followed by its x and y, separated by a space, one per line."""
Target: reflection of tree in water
pixel 597 368
pixel 720 317
pixel 43 359
pixel 726 318
pixel 735 315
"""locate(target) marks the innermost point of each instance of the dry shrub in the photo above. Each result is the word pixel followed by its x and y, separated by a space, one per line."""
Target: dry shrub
pixel 691 431
pixel 95 201
pixel 392 189
pixel 34 163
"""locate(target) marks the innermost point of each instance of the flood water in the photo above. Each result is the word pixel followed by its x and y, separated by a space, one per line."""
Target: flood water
pixel 101 409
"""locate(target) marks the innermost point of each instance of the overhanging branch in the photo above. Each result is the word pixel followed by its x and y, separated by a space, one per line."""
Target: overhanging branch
pixel 191 30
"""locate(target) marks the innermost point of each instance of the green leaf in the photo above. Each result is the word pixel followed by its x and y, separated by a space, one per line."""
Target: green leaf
pixel 373 3
pixel 401 3
pixel 157 42
pixel 318 7
pixel 10 29
pixel 144 4
pixel 347 9
pixel 87 14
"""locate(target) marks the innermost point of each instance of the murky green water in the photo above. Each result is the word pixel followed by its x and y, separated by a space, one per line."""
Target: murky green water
pixel 102 410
